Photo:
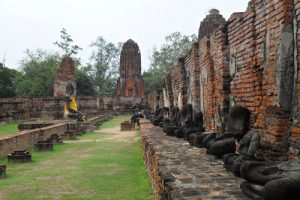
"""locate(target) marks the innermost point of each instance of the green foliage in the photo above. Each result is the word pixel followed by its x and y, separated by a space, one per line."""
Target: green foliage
pixel 104 66
pixel 176 45
pixel 153 80
pixel 66 44
pixel 7 81
pixel 8 129
pixel 115 122
pixel 39 68
pixel 84 83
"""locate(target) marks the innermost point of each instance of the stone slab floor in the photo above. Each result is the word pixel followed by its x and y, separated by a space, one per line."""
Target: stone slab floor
pixel 192 174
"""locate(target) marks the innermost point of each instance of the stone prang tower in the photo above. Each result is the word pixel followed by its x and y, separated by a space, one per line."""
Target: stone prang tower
pixel 130 83
pixel 64 76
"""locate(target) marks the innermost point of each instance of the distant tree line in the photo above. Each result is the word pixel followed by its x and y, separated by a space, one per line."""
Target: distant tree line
pixel 38 69
pixel 97 77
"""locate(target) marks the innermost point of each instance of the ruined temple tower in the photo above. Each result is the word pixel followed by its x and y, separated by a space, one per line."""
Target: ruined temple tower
pixel 65 75
pixel 130 83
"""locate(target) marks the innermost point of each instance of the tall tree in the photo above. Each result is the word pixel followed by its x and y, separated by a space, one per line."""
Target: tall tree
pixel 105 61
pixel 7 81
pixel 38 71
pixel 176 45
pixel 84 82
pixel 66 44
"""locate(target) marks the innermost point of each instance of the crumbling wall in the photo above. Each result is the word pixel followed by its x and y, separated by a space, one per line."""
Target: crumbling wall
pixel 191 63
pixel 221 77
pixel 27 138
pixel 294 147
pixel 206 83
pixel 261 47
pixel 21 108
pixel 64 76
pixel 169 92
pixel 130 83
pixel 178 86
pixel 155 99
pixel 249 60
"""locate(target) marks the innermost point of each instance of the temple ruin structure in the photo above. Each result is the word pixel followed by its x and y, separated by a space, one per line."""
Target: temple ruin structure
pixel 250 60
pixel 65 75
pixel 130 83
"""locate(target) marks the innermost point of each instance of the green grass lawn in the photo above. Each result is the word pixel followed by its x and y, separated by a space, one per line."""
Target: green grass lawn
pixel 116 121
pixel 83 169
pixel 8 129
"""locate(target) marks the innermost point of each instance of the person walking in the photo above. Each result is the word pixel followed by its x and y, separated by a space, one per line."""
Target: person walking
pixel 136 118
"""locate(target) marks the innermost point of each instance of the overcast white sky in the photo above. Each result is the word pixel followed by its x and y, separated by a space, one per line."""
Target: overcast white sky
pixel 32 24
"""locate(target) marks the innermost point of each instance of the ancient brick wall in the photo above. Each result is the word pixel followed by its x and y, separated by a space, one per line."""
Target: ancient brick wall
pixel 211 22
pixel 155 98
pixel 218 80
pixel 21 108
pixel 27 138
pixel 294 148
pixel 172 84
pixel 168 98
pixel 261 50
pixel 250 60
pixel 177 84
pixel 206 77
pixel 191 65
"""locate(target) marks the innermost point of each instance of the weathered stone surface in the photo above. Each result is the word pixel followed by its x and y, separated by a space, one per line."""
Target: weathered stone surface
pixel 156 99
pixel 55 139
pixel 69 135
pixel 43 146
pixel 211 22
pixel 24 108
pixel 27 138
pixel 33 125
pixel 180 171
pixel 19 156
pixel 250 60
pixel 130 83
pixel 65 75
pixel 127 126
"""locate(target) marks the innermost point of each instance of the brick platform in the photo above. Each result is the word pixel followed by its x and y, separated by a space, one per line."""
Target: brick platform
pixel 180 171
pixel 127 126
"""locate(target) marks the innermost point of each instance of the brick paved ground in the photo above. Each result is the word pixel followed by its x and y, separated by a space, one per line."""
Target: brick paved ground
pixel 180 171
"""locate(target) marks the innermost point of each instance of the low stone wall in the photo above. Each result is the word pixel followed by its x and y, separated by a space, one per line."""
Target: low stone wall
pixel 28 138
pixel 180 171
pixel 49 108
pixel 25 139
pixel 96 121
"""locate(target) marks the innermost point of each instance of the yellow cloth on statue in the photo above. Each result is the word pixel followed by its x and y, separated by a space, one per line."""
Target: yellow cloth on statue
pixel 72 105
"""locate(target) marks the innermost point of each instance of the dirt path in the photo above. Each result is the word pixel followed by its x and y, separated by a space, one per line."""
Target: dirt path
pixel 114 134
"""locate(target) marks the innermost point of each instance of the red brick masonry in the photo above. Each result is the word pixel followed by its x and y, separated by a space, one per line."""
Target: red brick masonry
pixel 251 60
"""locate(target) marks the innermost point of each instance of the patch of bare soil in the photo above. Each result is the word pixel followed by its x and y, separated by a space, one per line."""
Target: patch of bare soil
pixel 114 135
pixel 117 135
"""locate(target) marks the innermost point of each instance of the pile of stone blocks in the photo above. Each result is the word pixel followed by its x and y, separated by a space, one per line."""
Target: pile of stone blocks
pixel 19 156
pixel 127 126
